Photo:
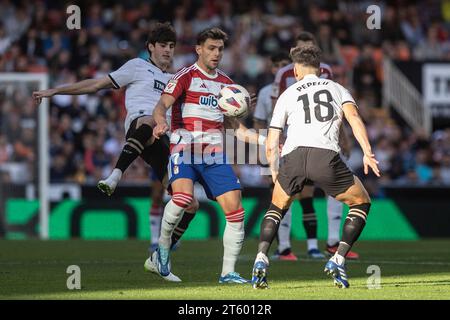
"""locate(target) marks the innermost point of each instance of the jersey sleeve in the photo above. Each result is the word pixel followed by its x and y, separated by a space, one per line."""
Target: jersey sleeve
pixel 279 114
pixel 178 84
pixel 346 96
pixel 124 75
pixel 260 109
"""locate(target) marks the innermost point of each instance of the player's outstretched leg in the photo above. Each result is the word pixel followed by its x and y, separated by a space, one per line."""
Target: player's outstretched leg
pixel 358 200
pixel 137 139
pixel 334 212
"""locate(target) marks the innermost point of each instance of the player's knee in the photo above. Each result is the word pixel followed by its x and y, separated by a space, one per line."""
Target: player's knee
pixel 182 199
pixel 193 207
pixel 364 198
pixel 235 216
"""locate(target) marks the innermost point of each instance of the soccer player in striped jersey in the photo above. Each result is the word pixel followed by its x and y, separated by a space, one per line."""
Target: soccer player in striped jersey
pixel 197 153
pixel 284 79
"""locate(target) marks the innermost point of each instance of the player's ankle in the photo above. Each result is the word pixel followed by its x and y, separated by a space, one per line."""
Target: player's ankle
pixel 338 259
pixel 261 256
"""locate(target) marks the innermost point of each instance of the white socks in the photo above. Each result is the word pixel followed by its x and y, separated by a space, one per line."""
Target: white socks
pixel 172 215
pixel 233 238
pixel 338 259
pixel 262 257
pixel 312 244
pixel 155 227
pixel 284 232
pixel 334 210
pixel 114 178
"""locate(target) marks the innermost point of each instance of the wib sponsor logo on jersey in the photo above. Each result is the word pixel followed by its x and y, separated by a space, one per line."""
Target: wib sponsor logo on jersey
pixel 210 101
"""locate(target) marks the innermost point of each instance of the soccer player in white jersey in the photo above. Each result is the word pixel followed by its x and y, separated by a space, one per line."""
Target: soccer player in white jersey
pixel 284 79
pixel 197 153
pixel 261 119
pixel 144 80
pixel 313 109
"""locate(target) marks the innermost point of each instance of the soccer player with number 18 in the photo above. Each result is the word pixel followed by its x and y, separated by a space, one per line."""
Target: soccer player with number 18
pixel 313 108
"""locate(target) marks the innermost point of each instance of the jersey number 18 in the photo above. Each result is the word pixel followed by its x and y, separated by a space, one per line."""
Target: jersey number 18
pixel 317 109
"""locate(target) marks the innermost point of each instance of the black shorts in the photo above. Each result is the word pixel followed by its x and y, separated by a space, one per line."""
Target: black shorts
pixel 323 167
pixel 156 155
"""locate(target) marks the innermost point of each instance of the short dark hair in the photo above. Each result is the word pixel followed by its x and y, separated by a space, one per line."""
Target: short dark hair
pixel 304 36
pixel 279 56
pixel 211 33
pixel 308 55
pixel 162 32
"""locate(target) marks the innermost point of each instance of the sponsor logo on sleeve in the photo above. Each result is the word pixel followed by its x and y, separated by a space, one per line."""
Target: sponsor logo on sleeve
pixel 170 87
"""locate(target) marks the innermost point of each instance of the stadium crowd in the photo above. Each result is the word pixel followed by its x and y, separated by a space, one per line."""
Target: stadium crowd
pixel 86 132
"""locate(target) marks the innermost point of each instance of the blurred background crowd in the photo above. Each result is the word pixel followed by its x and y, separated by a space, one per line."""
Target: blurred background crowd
pixel 86 132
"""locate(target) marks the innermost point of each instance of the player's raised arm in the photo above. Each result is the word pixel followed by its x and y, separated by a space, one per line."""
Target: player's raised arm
pixel 359 130
pixel 81 87
pixel 159 115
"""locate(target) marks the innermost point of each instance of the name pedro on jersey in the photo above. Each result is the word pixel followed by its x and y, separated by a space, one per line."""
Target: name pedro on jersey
pixel 206 311
pixel 313 83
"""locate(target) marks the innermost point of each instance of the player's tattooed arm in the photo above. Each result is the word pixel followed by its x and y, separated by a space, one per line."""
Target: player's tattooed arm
pixel 81 87
pixel 159 115
pixel 273 151
pixel 359 130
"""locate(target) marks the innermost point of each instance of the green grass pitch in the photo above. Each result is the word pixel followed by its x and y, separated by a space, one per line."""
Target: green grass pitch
pixel 114 270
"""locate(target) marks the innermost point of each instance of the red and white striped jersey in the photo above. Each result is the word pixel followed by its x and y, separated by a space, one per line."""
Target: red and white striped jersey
pixel 285 78
pixel 196 117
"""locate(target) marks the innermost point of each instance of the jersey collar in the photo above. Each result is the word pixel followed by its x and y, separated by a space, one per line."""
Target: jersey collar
pixel 151 62
pixel 310 76
pixel 211 76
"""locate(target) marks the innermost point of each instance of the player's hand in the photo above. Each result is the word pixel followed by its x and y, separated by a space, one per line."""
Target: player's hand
pixel 370 161
pixel 160 130
pixel 38 95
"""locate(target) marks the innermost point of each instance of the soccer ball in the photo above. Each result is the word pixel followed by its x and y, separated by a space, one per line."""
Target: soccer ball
pixel 234 100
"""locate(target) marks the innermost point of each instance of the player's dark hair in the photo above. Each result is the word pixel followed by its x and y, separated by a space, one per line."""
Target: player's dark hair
pixel 279 56
pixel 308 55
pixel 304 36
pixel 211 33
pixel 162 32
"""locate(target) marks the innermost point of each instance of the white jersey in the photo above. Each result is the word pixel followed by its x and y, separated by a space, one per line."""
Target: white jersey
pixel 312 108
pixel 144 84
pixel 263 109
